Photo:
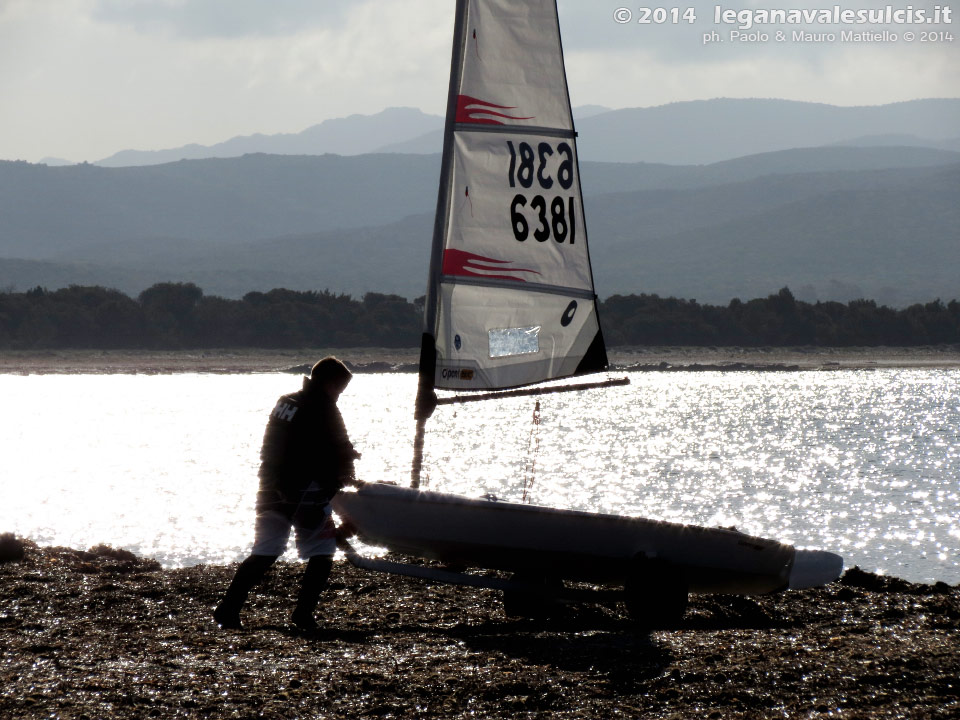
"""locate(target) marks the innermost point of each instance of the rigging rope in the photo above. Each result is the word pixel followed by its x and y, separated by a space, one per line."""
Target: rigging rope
pixel 533 441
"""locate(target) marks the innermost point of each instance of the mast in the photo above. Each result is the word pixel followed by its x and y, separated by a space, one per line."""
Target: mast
pixel 426 397
pixel 510 300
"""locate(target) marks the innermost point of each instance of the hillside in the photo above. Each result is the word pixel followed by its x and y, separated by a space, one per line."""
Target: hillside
pixel 353 135
pixel 682 133
pixel 709 131
pixel 891 236
pixel 50 211
pixel 831 223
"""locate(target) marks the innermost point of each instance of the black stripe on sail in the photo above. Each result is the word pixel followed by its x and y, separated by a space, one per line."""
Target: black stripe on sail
pixel 525 286
pixel 514 130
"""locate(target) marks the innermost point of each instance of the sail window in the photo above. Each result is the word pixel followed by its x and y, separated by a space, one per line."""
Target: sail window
pixel 514 341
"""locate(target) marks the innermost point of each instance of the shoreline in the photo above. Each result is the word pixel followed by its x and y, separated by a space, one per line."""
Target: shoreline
pixel 103 633
pixel 622 359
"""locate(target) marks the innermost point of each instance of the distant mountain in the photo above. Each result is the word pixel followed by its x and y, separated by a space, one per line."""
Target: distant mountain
pixel 890 235
pixel 353 135
pixel 84 212
pixel 601 178
pixel 828 222
pixel 684 133
pixel 952 144
pixel 431 142
pixel 70 211
pixel 388 258
pixel 709 131
pixel 710 200
pixel 585 111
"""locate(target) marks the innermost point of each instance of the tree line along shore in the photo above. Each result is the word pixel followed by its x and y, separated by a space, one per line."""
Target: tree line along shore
pixel 175 316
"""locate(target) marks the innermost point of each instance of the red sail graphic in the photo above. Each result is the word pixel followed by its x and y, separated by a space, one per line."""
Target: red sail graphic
pixel 459 262
pixel 472 110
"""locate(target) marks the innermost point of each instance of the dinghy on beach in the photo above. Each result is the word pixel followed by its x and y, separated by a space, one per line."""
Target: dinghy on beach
pixel 534 540
pixel 511 304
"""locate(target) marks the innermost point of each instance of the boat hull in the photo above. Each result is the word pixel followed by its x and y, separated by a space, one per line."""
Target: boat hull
pixel 570 544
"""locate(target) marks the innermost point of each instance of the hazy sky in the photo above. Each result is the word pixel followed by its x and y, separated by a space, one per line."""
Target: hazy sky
pixel 82 79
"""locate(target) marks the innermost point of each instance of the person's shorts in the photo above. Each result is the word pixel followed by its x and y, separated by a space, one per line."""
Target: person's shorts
pixel 310 520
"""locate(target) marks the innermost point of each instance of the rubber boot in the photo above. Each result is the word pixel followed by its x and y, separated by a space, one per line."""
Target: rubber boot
pixel 314 582
pixel 250 572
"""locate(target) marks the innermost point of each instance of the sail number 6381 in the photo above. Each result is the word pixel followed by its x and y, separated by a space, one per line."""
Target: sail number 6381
pixel 524 172
pixel 561 225
pixel 527 165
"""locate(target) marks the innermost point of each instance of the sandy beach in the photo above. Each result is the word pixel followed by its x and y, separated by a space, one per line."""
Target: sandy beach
pixel 100 633
pixel 405 360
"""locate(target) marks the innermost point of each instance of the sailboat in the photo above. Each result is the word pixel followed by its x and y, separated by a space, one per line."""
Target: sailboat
pixel 510 306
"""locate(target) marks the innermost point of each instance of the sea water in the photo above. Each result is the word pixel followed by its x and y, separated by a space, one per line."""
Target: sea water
pixel 863 463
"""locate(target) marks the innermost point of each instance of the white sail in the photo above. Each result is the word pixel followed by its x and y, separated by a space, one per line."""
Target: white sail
pixel 511 302
pixel 511 299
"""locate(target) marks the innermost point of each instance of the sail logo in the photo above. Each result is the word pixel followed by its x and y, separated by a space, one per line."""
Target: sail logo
pixel 464 374
pixel 481 112
pixel 459 262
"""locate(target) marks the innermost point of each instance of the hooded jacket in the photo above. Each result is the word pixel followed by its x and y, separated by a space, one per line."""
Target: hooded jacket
pixel 306 441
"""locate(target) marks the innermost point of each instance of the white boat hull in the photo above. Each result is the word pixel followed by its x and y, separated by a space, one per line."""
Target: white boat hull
pixel 574 545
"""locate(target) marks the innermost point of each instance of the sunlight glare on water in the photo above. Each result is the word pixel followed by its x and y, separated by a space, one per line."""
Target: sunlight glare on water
pixel 864 463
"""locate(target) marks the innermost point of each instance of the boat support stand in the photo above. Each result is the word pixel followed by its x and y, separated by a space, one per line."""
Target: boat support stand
pixel 451 577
